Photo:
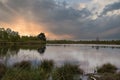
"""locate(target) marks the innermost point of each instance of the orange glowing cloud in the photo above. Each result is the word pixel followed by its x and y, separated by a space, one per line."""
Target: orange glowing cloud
pixel 25 27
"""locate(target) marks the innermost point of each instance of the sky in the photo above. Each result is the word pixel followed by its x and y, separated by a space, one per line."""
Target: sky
pixel 62 19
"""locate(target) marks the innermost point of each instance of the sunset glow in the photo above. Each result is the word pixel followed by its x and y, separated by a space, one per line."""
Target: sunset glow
pixel 63 19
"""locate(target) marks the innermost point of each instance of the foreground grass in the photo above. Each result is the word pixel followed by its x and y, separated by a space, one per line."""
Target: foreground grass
pixel 110 76
pixel 45 71
pixel 67 72
pixel 107 72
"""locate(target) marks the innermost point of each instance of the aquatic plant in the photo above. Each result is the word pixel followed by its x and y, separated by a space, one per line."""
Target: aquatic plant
pixel 46 65
pixel 66 72
pixel 2 70
pixel 23 65
pixel 107 68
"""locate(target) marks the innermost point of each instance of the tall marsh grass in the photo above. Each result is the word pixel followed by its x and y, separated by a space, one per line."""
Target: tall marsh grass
pixel 45 71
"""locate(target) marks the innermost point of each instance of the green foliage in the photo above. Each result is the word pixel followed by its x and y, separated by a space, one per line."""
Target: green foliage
pixel 44 71
pixel 47 65
pixel 23 65
pixel 2 70
pixel 22 74
pixel 117 42
pixel 9 35
pixel 29 38
pixel 3 51
pixel 110 76
pixel 66 72
pixel 42 37
pixel 107 68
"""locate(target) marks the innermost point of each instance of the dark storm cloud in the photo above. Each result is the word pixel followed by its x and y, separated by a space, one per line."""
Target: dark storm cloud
pixel 5 13
pixel 111 7
pixel 60 19
pixel 47 9
pixel 106 27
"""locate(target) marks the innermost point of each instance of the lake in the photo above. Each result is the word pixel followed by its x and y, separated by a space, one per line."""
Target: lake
pixel 87 56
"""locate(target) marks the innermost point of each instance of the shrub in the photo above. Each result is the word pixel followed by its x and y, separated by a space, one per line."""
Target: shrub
pixel 2 70
pixel 66 72
pixel 23 65
pixel 47 65
pixel 24 74
pixel 110 76
pixel 107 68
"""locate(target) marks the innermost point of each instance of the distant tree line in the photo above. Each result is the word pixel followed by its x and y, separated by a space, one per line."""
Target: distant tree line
pixel 116 42
pixel 13 36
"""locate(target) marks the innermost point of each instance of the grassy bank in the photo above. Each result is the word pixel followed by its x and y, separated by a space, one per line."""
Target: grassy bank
pixel 46 70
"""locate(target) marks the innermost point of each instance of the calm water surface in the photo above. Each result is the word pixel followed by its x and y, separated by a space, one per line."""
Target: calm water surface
pixel 88 57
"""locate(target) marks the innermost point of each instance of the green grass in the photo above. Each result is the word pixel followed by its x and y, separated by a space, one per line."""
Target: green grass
pixel 25 71
pixel 66 72
pixel 110 76
pixel 46 65
pixel 23 65
pixel 108 72
pixel 47 69
pixel 2 70
pixel 107 68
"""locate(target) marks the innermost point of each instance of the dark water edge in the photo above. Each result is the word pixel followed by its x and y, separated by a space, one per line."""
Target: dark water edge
pixel 112 42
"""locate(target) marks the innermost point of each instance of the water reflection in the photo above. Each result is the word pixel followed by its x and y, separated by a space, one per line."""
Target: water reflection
pixel 15 49
pixel 87 56
pixel 12 54
pixel 9 50
pixel 42 49
pixel 104 46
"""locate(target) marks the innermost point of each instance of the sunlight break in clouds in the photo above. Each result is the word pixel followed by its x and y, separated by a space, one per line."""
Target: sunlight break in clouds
pixel 31 29
pixel 65 19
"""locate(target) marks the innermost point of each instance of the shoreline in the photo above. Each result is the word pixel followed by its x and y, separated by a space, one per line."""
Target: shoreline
pixel 59 42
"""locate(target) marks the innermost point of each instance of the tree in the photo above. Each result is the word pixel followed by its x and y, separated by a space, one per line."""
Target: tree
pixel 9 35
pixel 42 36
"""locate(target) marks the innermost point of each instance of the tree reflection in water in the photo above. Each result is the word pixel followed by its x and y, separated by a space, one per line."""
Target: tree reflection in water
pixel 42 49
pixel 8 52
pixel 11 50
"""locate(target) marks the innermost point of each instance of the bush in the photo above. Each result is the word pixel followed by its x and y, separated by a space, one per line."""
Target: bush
pixel 110 76
pixel 45 71
pixel 47 65
pixel 66 72
pixel 23 65
pixel 107 68
pixel 24 74
pixel 2 70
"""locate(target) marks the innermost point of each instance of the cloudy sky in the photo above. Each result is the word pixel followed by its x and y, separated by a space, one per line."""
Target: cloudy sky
pixel 63 19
